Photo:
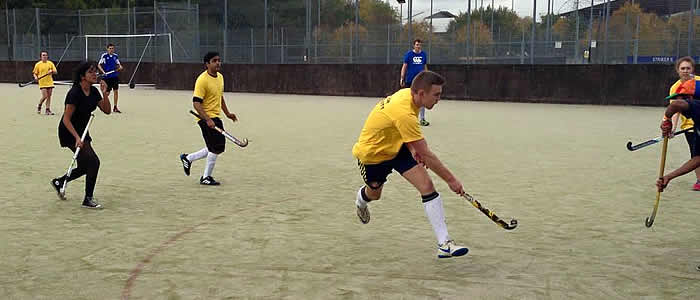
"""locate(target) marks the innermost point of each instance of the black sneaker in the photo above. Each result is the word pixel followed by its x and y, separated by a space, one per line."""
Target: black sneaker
pixel 208 181
pixel 57 183
pixel 90 202
pixel 186 164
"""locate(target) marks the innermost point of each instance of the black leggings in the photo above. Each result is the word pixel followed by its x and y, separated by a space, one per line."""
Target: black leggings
pixel 88 164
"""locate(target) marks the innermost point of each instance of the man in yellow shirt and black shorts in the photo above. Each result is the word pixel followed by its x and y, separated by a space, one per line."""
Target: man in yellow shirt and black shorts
pixel 391 139
pixel 208 101
pixel 42 68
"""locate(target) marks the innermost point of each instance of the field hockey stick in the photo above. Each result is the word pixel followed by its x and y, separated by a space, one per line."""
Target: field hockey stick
pixel 33 80
pixel 631 147
pixel 75 156
pixel 650 220
pixel 513 222
pixel 100 76
pixel 241 143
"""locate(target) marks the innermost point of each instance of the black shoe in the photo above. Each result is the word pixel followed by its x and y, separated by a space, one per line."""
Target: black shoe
pixel 208 181
pixel 186 164
pixel 57 183
pixel 90 202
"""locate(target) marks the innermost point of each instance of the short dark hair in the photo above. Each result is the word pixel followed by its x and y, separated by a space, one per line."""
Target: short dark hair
pixel 417 41
pixel 81 69
pixel 685 58
pixel 43 51
pixel 209 56
pixel 425 80
pixel 110 45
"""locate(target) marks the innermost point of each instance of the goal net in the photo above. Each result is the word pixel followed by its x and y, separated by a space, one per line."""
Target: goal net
pixel 134 50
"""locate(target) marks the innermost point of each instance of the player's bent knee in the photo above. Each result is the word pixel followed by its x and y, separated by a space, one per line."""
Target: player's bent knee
pixel 426 187
pixel 375 185
pixel 373 190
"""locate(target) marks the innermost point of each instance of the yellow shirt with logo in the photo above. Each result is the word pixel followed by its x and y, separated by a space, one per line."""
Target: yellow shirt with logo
pixel 210 89
pixel 392 122
pixel 42 68
pixel 684 122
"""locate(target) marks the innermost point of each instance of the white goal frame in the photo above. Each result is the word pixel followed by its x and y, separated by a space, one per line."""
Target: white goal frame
pixel 149 35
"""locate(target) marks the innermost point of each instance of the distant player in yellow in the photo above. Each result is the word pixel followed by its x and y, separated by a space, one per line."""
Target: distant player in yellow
pixel 391 139
pixel 42 68
pixel 685 67
pixel 208 101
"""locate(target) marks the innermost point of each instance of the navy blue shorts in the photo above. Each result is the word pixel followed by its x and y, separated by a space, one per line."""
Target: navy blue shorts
pixel 112 83
pixel 375 175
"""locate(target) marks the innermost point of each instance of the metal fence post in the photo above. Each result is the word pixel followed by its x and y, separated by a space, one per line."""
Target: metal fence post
pixel 532 39
pixel 223 58
pixel 636 42
pixel 388 44
pixel 38 30
pixel 10 55
pixel 690 27
pixel 576 54
pixel 14 33
pixel 252 46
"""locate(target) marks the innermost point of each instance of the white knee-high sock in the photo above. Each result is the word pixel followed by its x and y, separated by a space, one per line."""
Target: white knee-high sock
pixel 436 215
pixel 211 161
pixel 198 155
pixel 421 113
pixel 360 202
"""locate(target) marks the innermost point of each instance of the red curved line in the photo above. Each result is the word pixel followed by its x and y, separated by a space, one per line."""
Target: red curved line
pixel 136 271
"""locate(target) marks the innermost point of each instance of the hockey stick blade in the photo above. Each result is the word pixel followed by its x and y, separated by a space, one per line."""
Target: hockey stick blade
pixel 241 143
pixel 650 220
pixel 513 222
pixel 33 80
pixel 26 84
pixel 631 147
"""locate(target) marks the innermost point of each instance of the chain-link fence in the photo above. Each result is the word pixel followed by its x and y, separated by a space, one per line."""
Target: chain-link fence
pixel 363 31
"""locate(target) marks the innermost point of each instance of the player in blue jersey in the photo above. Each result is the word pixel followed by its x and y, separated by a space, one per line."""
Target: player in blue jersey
pixel 109 61
pixel 414 62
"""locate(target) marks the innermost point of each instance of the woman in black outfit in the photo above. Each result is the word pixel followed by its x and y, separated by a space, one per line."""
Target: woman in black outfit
pixel 81 101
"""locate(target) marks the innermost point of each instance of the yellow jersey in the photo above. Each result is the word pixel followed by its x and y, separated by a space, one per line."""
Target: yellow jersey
pixel 210 89
pixel 684 122
pixel 42 68
pixel 392 122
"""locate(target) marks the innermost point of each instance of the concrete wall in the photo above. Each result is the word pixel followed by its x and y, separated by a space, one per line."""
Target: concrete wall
pixel 573 84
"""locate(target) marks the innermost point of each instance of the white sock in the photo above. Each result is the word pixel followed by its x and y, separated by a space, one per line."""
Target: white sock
pixel 198 155
pixel 211 161
pixel 360 202
pixel 436 216
pixel 421 113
